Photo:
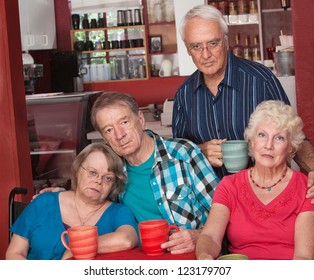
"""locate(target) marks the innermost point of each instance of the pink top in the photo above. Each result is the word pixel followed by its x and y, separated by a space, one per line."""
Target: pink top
pixel 257 230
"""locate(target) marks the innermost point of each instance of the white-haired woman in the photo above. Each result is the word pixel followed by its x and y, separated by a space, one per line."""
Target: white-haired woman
pixel 263 209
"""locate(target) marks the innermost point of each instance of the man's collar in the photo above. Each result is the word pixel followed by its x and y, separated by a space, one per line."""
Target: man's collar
pixel 231 75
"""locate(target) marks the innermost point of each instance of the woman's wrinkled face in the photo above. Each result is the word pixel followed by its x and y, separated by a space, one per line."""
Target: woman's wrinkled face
pixel 207 45
pixel 93 178
pixel 121 129
pixel 270 145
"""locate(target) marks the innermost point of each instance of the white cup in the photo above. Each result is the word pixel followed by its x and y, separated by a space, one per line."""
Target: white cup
pixel 86 73
pixel 93 72
pixel 107 71
pixel 100 72
pixel 165 68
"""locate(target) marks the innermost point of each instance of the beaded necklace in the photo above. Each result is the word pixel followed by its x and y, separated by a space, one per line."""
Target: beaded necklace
pixel 271 186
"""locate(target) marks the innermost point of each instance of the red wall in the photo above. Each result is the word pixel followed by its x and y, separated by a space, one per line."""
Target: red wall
pixel 15 167
pixel 302 15
pixel 152 91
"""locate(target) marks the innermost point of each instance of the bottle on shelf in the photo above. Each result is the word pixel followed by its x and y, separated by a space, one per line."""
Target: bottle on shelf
pixel 237 48
pixel 233 12
pixel 223 7
pixel 256 52
pixel 253 16
pixel 243 16
pixel 247 50
pixel 285 4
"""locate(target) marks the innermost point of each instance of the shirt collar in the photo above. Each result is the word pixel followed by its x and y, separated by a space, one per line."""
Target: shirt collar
pixel 231 74
pixel 161 153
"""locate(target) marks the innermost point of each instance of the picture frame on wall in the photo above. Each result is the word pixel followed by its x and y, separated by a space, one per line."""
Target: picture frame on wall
pixel 155 43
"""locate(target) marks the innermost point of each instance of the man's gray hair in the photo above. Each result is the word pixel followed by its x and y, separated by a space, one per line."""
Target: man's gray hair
pixel 207 12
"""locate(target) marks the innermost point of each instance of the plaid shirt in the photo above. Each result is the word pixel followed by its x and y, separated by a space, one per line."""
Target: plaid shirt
pixel 182 181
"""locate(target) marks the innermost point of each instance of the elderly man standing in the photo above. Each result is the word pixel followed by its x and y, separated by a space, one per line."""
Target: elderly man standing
pixel 216 101
pixel 167 178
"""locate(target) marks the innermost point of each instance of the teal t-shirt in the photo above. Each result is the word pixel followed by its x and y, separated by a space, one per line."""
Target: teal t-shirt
pixel 139 196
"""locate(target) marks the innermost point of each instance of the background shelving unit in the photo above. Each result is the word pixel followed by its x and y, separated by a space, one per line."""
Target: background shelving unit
pixel 88 56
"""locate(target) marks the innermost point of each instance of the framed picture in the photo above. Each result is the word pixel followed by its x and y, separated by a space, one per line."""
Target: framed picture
pixel 155 43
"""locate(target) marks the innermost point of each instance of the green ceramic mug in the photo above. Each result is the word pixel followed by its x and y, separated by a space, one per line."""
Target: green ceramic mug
pixel 233 257
pixel 235 155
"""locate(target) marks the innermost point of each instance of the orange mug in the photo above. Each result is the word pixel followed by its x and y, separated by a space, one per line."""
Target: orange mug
pixel 153 233
pixel 83 242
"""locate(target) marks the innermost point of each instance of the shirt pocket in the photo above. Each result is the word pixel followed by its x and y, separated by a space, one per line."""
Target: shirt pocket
pixel 179 193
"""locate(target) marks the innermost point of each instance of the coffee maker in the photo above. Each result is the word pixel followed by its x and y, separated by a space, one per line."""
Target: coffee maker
pixel 31 73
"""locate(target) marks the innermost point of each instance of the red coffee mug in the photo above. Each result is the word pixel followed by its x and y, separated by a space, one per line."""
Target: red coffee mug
pixel 153 233
pixel 83 241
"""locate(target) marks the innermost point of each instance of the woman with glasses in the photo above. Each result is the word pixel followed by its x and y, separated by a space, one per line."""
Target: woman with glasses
pixel 97 180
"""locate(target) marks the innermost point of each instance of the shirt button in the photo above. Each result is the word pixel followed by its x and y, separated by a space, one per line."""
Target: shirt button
pixel 154 183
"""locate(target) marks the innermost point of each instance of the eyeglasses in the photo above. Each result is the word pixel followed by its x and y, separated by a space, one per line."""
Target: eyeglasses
pixel 93 174
pixel 211 45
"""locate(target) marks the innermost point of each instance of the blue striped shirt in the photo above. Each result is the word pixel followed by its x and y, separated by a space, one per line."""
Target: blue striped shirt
pixel 200 116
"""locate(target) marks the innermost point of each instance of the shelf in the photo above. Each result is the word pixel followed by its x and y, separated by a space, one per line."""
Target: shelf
pixel 139 40
pixel 162 23
pixel 108 28
pixel 114 50
pixel 275 10
pixel 113 81
pixel 244 23
pixel 53 152
pixel 164 52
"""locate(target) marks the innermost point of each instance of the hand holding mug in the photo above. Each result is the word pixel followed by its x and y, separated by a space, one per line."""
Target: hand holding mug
pixel 153 233
pixel 213 151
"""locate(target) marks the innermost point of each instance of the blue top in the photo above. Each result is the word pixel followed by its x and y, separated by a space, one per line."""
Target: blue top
pixel 138 186
pixel 200 116
pixel 42 225
pixel 182 181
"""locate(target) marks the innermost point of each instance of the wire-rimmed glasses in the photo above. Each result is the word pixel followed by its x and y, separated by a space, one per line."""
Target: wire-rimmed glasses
pixel 93 174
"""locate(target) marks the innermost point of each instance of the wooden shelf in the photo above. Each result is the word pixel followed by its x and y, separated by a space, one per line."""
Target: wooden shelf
pixel 243 23
pixel 114 50
pixel 110 53
pixel 162 23
pixel 107 28
pixel 163 52
pixel 114 81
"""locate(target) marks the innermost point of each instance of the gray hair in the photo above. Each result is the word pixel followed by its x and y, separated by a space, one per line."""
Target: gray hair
pixel 115 165
pixel 112 98
pixel 281 114
pixel 207 12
